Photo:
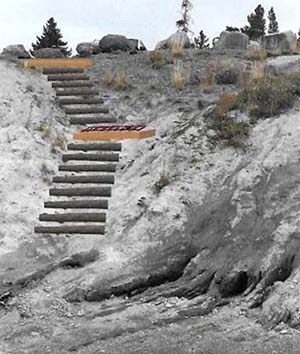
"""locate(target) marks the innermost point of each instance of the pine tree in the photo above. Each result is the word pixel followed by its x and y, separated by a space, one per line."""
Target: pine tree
pixel 184 23
pixel 257 28
pixel 273 24
pixel 51 38
pixel 201 41
pixel 232 29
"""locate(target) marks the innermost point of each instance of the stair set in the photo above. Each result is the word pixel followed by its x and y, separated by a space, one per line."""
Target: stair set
pixel 79 197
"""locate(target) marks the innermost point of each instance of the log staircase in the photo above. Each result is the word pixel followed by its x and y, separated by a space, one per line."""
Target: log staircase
pixel 78 200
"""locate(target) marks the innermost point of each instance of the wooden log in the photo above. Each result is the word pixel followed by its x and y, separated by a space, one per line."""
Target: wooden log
pixel 58 63
pixel 92 120
pixel 104 179
pixel 74 217
pixel 77 204
pixel 81 192
pixel 65 229
pixel 59 84
pixel 48 71
pixel 96 147
pixel 81 156
pixel 77 92
pixel 86 110
pixel 88 168
pixel 115 135
pixel 67 77
pixel 79 100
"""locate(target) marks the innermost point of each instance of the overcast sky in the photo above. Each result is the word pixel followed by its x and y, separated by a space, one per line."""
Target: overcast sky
pixel 149 20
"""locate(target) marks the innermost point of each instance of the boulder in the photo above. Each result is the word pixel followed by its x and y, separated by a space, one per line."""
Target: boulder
pixel 176 38
pixel 137 44
pixel 114 42
pixel 16 50
pixel 254 45
pixel 86 49
pixel 233 40
pixel 280 43
pixel 228 76
pixel 48 53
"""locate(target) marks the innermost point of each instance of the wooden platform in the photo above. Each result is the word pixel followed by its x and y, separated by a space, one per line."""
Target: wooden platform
pixel 114 133
pixel 58 63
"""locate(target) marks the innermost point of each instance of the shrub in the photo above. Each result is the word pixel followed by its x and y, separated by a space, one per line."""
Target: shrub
pixel 156 59
pixel 44 128
pixel 163 181
pixel 209 80
pixel 108 79
pixel 226 104
pixel 228 76
pixel 177 50
pixel 256 54
pixel 120 81
pixel 178 76
pixel 268 96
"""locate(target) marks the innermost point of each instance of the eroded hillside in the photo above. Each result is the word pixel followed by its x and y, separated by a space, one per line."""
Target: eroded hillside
pixel 194 223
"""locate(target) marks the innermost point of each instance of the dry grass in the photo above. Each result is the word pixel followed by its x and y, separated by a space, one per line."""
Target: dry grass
pixel 156 59
pixel 225 104
pixel 257 54
pixel 177 50
pixel 209 82
pixel 178 76
pixel 120 81
pixel 60 142
pixel 257 72
pixel 108 79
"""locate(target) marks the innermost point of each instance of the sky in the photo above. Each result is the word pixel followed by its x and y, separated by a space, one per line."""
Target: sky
pixel 149 20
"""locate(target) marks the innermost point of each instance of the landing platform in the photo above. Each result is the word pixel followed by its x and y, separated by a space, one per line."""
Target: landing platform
pixel 58 63
pixel 115 132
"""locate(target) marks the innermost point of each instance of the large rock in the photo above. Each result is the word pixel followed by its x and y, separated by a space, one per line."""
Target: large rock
pixel 86 49
pixel 16 50
pixel 114 42
pixel 137 44
pixel 176 38
pixel 280 43
pixel 233 40
pixel 48 53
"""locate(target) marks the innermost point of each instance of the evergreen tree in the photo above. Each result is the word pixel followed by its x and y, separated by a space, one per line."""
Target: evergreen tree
pixel 273 24
pixel 184 23
pixel 232 29
pixel 51 38
pixel 257 28
pixel 201 41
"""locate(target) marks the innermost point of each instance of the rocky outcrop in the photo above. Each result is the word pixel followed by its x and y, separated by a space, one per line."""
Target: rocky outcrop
pixel 178 37
pixel 86 49
pixel 280 43
pixel 16 51
pixel 232 40
pixel 137 44
pixel 48 53
pixel 114 42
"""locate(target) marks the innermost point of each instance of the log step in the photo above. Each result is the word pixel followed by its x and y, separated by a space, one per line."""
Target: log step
pixel 88 168
pixel 59 84
pixel 77 92
pixel 81 192
pixel 87 110
pixel 74 217
pixel 48 71
pixel 104 179
pixel 96 147
pixel 114 157
pixel 67 77
pixel 70 101
pixel 77 204
pixel 64 229
pixel 92 120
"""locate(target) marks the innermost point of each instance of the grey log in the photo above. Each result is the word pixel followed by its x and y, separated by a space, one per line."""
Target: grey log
pixel 77 204
pixel 67 77
pixel 74 217
pixel 81 192
pixel 83 230
pixel 59 84
pixel 81 156
pixel 87 110
pixel 48 71
pixel 77 92
pixel 88 168
pixel 96 147
pixel 79 100
pixel 105 179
